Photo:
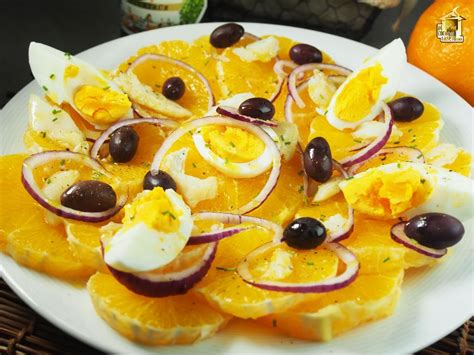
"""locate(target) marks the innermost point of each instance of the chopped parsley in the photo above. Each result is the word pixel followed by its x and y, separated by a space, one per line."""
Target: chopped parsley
pixel 168 213
pixel 62 162
pixel 357 140
pixel 225 268
pixel 55 119
pixel 67 55
pixel 287 143
pixel 397 142
pixel 45 88
pixel 55 112
pixel 310 263
pixel 232 144
pixel 43 134
pixel 386 259
pixel 419 156
pixel 52 76
pixel 301 189
pixel 96 175
pixel 399 165
pixel 422 181
pixel 106 88
pixel 194 165
pixel 349 178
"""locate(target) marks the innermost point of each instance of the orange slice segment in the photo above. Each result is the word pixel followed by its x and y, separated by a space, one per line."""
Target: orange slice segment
pixel 224 289
pixel 369 297
pixel 154 321
pixel 25 235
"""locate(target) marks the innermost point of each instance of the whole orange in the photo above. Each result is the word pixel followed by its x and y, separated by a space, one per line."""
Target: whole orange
pixel 452 63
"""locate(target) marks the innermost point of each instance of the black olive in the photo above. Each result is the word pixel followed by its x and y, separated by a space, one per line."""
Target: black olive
pixel 317 160
pixel 406 109
pixel 123 144
pixel 304 53
pixel 226 35
pixel 257 107
pixel 173 88
pixel 160 178
pixel 435 230
pixel 89 196
pixel 304 233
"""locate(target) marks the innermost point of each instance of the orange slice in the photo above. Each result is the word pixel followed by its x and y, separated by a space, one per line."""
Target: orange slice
pixel 369 297
pixel 155 73
pixel 25 236
pixel 224 289
pixel 154 321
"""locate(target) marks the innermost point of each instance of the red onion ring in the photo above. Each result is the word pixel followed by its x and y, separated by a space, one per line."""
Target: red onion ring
pixel 345 232
pixel 224 121
pixel 128 122
pixel 331 284
pixel 280 64
pixel 179 63
pixel 210 237
pixel 415 156
pixel 398 234
pixel 289 102
pixel 151 284
pixel 234 113
pixel 33 189
pixel 377 144
pixel 231 218
pixel 295 75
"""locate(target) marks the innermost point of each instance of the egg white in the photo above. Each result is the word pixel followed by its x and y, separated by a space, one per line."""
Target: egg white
pixel 48 65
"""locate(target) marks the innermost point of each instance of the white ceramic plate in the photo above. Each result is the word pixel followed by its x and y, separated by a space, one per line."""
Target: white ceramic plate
pixel 433 303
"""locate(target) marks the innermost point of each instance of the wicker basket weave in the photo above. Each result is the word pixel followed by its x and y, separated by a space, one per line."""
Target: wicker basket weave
pixel 22 331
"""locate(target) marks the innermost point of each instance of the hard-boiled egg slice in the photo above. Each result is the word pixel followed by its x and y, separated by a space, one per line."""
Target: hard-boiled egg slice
pixel 408 189
pixel 359 99
pixel 55 124
pixel 156 228
pixel 66 78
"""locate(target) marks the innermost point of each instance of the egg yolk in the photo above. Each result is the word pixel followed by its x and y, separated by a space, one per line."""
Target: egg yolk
pixel 387 195
pixel 71 71
pixel 101 105
pixel 154 209
pixel 234 144
pixel 361 93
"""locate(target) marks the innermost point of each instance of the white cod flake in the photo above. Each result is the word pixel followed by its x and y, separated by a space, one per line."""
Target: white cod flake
pixel 328 189
pixel 193 189
pixel 263 50
pixel 56 125
pixel 280 265
pixel 321 89
pixel 59 182
pixel 144 95
pixel 335 223
pixel 368 131
pixel 442 154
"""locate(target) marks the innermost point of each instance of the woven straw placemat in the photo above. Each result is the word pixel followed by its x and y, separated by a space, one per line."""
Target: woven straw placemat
pixel 22 331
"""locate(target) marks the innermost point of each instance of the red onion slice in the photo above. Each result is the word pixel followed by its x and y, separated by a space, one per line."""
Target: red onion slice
pixel 398 234
pixel 162 58
pixel 152 284
pixel 128 122
pixel 232 218
pixel 302 69
pixel 234 113
pixel 331 284
pixel 210 237
pixel 224 121
pixel 377 144
pixel 289 102
pixel 34 190
pixel 279 66
pixel 346 230
pixel 415 156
